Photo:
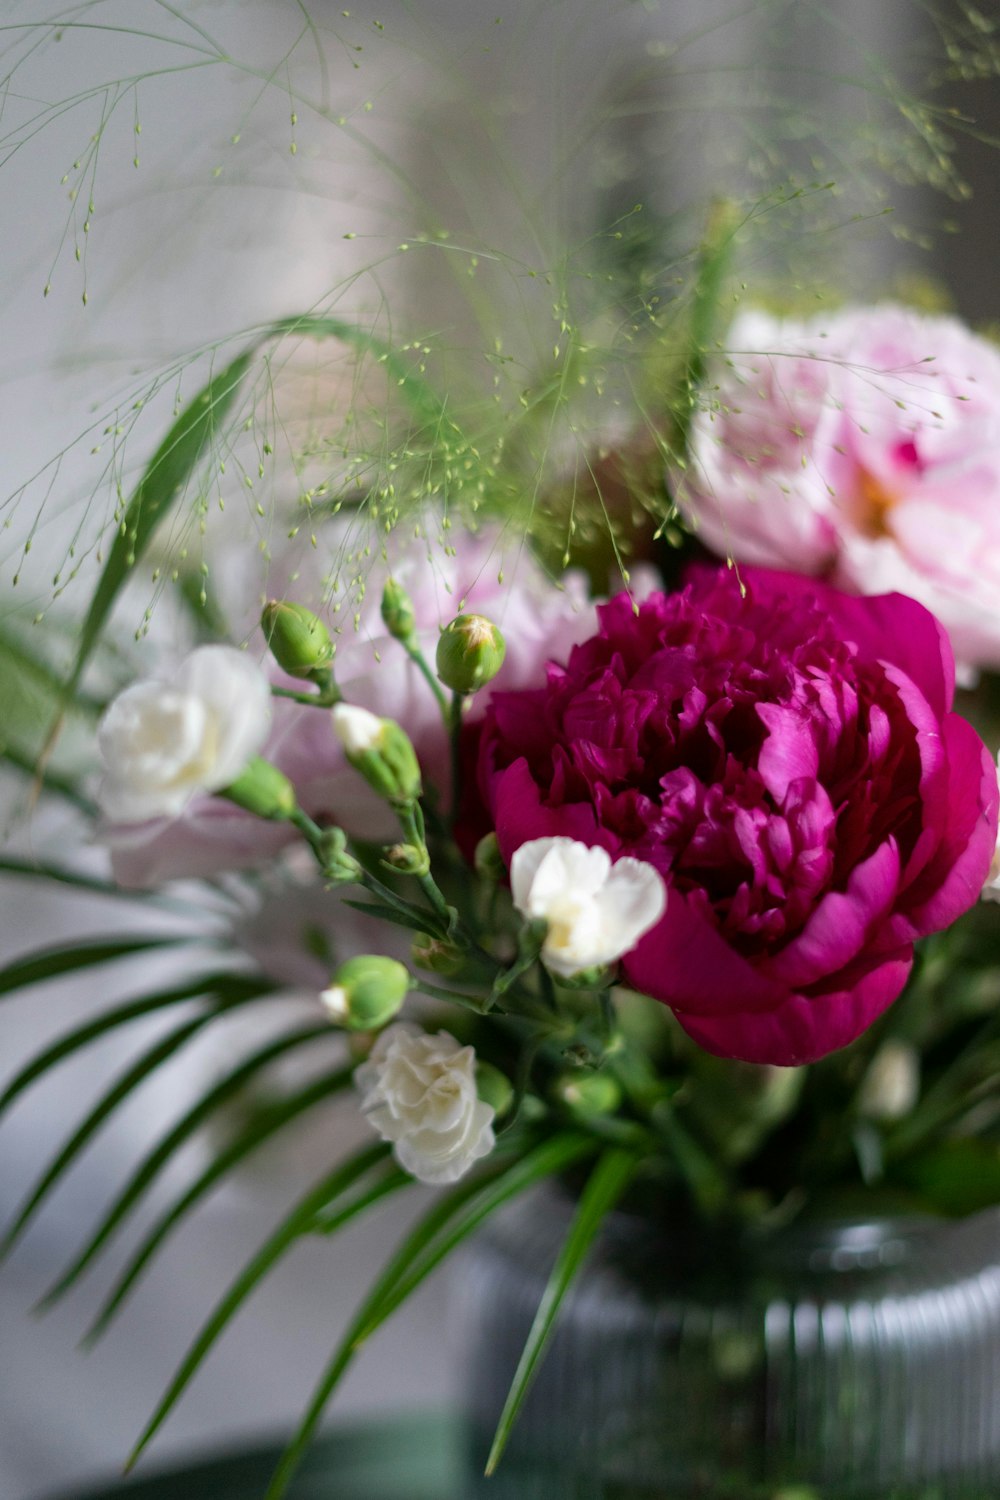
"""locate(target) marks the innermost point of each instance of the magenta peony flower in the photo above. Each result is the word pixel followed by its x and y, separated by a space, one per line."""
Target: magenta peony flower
pixel 865 446
pixel 787 760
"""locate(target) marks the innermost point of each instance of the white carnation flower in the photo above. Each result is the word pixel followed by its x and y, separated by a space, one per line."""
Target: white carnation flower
pixel 163 741
pixel 596 911
pixel 419 1091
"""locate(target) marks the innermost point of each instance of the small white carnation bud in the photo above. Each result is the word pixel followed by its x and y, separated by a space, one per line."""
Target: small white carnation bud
pixel 595 912
pixel 381 751
pixel 357 729
pixel 366 992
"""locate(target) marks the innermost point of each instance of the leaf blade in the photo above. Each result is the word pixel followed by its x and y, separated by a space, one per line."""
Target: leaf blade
pixel 295 1224
pixel 179 1133
pixel 53 963
pixel 64 1046
pixel 609 1179
pixel 135 1074
pixel 551 1156
pixel 261 1130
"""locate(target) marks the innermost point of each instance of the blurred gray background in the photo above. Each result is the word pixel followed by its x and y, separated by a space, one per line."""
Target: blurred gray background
pixel 565 114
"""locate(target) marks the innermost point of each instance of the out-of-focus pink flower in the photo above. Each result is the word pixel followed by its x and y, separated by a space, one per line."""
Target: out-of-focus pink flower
pixel 540 620
pixel 864 446
pixel 788 761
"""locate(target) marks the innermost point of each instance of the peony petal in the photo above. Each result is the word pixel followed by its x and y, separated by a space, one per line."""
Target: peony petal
pixel 520 815
pixel 687 964
pixel 789 752
pixel 841 923
pixel 805 1028
pixel 954 878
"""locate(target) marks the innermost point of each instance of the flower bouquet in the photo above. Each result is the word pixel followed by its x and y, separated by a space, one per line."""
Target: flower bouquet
pixel 621 819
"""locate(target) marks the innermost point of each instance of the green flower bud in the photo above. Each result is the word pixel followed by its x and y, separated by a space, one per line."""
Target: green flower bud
pixel 299 642
pixel 408 859
pixel 437 957
pixel 494 1088
pixel 595 978
pixel 339 867
pixel 488 859
pixel 263 790
pixel 366 992
pixel 381 751
pixel 470 652
pixel 589 1093
pixel 397 612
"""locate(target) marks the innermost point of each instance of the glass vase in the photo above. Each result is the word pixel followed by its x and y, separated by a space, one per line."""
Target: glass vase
pixel 853 1360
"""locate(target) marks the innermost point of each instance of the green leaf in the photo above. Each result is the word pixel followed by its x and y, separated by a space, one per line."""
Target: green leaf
pixel 47 780
pixel 265 1125
pixel 715 258
pixel 130 1080
pixel 958 1177
pixel 164 480
pixel 52 963
pixel 298 1222
pixel 36 869
pixel 188 442
pixel 439 1232
pixel 230 987
pixel 417 922
pixel 134 1075
pixel 179 1133
pixel 605 1186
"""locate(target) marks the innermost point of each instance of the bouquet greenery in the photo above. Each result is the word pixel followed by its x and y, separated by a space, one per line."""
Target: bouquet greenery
pixel 675 895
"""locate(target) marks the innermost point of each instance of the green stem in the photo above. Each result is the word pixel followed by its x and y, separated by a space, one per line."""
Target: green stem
pixel 455 730
pixel 420 661
pixel 412 823
pixel 326 697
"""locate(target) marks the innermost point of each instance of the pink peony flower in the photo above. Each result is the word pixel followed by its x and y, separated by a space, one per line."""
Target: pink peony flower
pixel 865 446
pixel 789 763
pixel 539 621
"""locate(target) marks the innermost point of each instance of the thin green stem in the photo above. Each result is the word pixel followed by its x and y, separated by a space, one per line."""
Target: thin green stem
pixel 327 692
pixel 420 661
pixel 412 823
pixel 455 731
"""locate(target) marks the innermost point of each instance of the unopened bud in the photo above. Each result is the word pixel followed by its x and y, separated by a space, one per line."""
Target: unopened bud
pixel 380 751
pixel 470 653
pixel 366 992
pixel 437 957
pixel 494 1088
pixel 595 978
pixel 299 642
pixel 891 1086
pixel 488 859
pixel 589 1093
pixel 408 859
pixel 339 867
pixel 263 790
pixel 397 612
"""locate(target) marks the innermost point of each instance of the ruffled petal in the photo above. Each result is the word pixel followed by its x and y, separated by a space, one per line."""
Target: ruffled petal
pixel 804 1028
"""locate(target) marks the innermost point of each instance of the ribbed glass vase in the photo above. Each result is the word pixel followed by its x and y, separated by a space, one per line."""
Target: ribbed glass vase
pixel 856 1361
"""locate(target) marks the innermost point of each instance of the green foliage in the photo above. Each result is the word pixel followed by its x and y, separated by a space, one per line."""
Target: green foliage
pixel 179 1134
pixel 605 1186
pixel 298 1222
